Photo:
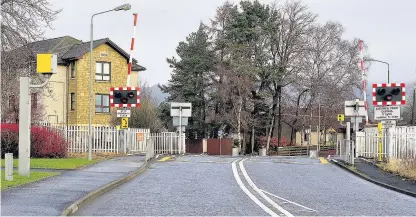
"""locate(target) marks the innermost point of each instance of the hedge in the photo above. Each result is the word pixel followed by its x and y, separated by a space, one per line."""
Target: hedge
pixel 45 143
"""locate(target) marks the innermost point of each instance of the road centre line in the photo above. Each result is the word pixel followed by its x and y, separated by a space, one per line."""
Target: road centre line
pixel 288 201
pixel 260 192
pixel 249 194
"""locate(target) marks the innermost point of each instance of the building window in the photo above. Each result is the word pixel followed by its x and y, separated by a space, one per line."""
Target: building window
pixel 103 71
pixel 306 137
pixel 72 65
pixel 102 103
pixel 72 101
pixel 34 99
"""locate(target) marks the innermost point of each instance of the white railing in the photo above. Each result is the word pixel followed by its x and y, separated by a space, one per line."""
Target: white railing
pixel 109 139
pixel 396 143
pixel 345 151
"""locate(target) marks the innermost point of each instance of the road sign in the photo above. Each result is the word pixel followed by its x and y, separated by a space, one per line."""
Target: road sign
pixel 387 112
pixel 176 121
pixel 354 108
pixel 125 123
pixel 140 137
pixel 388 124
pixel 123 113
pixel 176 107
pixel 340 117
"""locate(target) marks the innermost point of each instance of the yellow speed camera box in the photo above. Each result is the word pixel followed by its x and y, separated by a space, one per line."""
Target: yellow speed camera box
pixel 46 63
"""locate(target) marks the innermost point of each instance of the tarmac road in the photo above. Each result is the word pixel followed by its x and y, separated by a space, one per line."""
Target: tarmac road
pixel 258 186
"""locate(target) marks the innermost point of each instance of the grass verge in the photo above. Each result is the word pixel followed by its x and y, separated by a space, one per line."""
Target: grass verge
pixel 73 161
pixel 405 168
pixel 21 180
pixel 55 163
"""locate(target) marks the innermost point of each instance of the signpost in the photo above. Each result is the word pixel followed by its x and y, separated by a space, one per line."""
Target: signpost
pixel 180 110
pixel 387 112
pixel 380 141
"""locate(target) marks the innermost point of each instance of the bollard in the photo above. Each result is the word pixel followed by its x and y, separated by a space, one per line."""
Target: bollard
pixel 9 167
pixel 313 154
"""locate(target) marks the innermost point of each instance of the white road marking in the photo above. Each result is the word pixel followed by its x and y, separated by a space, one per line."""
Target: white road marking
pixel 288 201
pixel 260 192
pixel 249 194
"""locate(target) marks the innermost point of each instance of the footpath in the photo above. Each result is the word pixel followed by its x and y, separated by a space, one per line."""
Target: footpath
pixel 49 197
pixel 372 171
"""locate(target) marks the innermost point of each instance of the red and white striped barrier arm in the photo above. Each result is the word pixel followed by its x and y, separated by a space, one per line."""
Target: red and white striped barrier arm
pixel 364 81
pixel 131 50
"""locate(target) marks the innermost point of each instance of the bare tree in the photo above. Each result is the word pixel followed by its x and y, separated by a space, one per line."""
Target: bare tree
pixel 23 21
pixel 287 45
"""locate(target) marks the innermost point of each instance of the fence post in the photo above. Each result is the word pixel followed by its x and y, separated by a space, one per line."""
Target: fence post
pixel 9 167
pixel 171 144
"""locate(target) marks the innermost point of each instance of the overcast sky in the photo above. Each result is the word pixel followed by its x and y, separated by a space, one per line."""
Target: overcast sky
pixel 387 26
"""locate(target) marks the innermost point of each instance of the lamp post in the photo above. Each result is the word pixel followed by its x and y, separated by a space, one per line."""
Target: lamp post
pixel 379 61
pixel 124 7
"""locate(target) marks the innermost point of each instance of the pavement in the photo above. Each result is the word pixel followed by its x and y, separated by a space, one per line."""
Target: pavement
pixel 49 197
pixel 255 186
pixel 379 175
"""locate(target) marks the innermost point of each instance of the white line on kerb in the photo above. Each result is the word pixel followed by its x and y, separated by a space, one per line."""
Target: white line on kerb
pixel 288 201
pixel 249 194
pixel 260 192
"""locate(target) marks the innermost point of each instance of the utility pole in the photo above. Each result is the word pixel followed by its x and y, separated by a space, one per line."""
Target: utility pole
pixel 414 107
pixel 319 127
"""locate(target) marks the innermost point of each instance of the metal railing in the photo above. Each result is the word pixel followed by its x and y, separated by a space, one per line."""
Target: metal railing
pixel 345 151
pixel 396 143
pixel 109 139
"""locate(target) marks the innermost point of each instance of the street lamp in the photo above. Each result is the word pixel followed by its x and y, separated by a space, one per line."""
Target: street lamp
pixel 379 61
pixel 124 7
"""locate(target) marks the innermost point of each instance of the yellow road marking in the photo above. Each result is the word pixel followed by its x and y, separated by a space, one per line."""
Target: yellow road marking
pixel 323 160
pixel 165 159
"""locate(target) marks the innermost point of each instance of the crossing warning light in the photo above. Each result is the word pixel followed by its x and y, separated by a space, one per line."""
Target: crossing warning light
pixel 125 97
pixel 389 94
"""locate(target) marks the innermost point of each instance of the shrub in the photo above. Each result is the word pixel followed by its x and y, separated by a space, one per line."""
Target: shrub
pixel 45 143
pixel 9 140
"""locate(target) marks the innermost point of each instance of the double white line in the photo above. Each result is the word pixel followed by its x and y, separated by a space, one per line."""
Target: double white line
pixel 258 190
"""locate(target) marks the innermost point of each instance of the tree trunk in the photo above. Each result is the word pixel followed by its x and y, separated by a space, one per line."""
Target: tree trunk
pixel 252 139
pixel 240 105
pixel 279 124
pixel 269 134
pixel 243 150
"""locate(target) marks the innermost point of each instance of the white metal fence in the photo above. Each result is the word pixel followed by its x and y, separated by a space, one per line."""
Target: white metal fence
pixel 345 151
pixel 396 143
pixel 109 139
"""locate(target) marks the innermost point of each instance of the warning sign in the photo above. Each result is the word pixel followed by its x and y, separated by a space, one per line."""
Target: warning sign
pixel 140 137
pixel 387 112
pixel 124 123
